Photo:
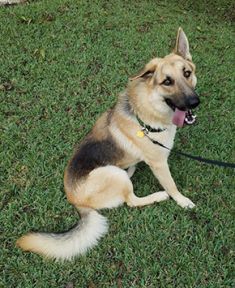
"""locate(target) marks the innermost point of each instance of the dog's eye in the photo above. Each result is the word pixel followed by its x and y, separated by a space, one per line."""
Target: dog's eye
pixel 168 82
pixel 187 73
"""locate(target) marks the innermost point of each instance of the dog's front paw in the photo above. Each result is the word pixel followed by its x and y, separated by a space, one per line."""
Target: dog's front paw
pixel 185 202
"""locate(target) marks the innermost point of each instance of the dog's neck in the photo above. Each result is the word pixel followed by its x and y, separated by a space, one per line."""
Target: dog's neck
pixel 125 105
pixel 145 116
pixel 141 110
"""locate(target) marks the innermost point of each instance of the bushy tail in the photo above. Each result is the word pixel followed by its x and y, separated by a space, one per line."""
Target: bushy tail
pixel 64 246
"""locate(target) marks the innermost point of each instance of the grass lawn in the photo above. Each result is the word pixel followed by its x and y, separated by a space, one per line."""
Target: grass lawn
pixel 62 63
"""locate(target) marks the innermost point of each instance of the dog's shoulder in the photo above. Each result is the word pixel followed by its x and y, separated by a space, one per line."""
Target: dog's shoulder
pixel 96 150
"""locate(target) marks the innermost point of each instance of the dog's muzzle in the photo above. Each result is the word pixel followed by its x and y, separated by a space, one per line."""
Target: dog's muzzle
pixel 183 111
pixel 192 102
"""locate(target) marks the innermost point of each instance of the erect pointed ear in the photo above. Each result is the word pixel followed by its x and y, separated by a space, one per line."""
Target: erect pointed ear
pixel 182 46
pixel 147 71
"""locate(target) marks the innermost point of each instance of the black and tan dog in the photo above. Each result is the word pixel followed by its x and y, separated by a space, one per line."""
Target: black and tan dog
pixel 160 98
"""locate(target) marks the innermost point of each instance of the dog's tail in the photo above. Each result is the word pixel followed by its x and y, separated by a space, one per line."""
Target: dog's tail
pixel 64 246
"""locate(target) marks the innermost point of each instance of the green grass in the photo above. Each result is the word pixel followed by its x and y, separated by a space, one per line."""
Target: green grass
pixel 62 63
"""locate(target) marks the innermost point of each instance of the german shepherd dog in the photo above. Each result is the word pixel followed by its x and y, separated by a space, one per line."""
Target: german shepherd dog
pixel 156 100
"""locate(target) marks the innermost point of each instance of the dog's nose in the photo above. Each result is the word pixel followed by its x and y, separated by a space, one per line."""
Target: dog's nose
pixel 192 101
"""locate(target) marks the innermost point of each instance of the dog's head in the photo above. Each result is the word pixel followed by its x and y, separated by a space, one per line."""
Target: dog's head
pixel 170 82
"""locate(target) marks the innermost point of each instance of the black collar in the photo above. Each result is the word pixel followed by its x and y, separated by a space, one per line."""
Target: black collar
pixel 148 128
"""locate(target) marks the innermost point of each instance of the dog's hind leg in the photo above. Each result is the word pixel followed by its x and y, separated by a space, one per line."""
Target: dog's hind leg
pixel 105 187
pixel 109 187
pixel 116 189
pixel 135 201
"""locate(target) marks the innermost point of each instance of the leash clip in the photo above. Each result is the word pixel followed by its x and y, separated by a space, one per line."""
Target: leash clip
pixel 145 130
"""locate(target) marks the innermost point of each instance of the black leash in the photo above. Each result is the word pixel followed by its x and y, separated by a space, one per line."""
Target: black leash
pixel 197 158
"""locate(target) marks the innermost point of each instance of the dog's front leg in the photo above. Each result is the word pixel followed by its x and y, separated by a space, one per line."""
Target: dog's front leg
pixel 162 172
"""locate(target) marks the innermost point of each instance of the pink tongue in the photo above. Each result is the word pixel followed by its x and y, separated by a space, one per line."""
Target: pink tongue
pixel 178 117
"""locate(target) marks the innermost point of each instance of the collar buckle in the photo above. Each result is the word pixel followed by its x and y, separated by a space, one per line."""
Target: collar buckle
pixel 148 129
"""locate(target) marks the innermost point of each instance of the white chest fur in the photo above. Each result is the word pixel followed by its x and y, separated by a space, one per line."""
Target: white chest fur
pixel 165 137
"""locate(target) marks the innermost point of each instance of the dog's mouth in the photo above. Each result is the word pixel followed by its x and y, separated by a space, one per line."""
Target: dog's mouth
pixel 181 117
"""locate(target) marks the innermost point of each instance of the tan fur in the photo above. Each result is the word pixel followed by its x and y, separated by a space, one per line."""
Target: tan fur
pixel 109 186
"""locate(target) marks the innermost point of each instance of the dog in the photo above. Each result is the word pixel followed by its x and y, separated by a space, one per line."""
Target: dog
pixel 11 2
pixel 157 100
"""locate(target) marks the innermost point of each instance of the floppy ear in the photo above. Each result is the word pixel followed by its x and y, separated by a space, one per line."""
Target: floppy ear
pixel 148 70
pixel 182 46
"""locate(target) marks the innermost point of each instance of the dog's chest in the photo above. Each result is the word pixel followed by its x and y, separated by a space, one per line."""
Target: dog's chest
pixel 165 137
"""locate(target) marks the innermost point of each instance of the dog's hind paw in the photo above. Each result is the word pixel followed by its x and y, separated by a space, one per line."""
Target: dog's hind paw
pixel 185 202
pixel 160 196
